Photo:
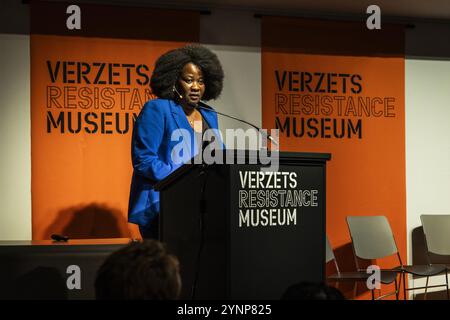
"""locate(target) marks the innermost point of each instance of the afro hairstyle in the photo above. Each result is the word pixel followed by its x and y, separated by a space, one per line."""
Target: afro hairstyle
pixel 169 66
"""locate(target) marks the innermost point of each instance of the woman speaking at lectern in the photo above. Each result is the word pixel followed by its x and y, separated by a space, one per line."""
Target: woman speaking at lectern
pixel 181 79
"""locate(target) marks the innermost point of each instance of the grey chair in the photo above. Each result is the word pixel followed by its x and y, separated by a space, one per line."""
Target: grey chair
pixel 372 238
pixel 436 228
pixel 353 276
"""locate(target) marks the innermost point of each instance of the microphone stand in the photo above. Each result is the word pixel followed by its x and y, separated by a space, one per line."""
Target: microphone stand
pixel 204 172
pixel 204 106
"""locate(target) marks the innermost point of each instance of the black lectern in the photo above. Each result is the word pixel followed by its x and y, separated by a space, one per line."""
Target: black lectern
pixel 245 231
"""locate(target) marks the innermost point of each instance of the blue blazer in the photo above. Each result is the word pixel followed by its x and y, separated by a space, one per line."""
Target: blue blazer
pixel 151 149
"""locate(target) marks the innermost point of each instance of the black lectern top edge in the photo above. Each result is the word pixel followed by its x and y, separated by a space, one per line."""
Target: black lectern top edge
pixel 305 156
pixel 284 157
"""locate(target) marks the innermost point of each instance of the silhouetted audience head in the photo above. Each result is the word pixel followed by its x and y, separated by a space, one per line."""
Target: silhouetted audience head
pixel 312 291
pixel 141 270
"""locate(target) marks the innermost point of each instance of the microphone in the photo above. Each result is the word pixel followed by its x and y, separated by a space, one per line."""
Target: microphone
pixel 59 238
pixel 179 95
pixel 204 106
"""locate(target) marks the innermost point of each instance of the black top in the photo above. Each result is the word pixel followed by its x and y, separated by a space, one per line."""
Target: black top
pixel 205 125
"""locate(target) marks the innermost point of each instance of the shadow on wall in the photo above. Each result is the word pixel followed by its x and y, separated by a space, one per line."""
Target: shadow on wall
pixel 93 221
pixel 420 256
pixel 419 246
pixel 346 261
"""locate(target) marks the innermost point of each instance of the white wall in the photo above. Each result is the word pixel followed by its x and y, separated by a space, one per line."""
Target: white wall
pixel 427 143
pixel 241 96
pixel 235 37
pixel 15 140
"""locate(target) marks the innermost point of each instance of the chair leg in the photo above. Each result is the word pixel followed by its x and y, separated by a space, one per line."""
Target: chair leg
pixel 404 285
pixel 446 284
pixel 396 289
pixel 426 289
pixel 373 293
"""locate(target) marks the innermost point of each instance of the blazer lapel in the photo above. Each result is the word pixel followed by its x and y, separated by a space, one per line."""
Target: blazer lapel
pixel 183 123
pixel 179 116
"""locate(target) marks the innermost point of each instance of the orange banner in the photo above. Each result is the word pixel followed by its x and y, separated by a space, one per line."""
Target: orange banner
pixel 86 93
pixel 334 87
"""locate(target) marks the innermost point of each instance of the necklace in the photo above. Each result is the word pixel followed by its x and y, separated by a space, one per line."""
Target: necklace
pixel 191 119
pixel 192 123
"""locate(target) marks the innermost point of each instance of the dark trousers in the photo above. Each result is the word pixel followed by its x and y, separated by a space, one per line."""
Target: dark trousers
pixel 150 231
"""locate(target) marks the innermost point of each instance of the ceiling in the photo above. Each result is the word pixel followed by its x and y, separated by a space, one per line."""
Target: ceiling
pixel 409 9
